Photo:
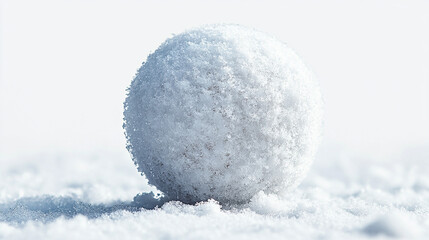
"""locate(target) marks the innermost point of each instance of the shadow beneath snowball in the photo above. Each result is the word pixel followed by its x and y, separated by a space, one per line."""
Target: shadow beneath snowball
pixel 48 208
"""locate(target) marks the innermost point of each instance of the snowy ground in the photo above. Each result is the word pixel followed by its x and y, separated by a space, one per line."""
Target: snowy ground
pixel 69 197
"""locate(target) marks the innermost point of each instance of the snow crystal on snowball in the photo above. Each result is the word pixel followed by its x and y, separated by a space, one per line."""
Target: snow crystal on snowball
pixel 222 112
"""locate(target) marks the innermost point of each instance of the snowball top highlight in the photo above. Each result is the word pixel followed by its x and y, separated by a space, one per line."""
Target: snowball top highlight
pixel 222 112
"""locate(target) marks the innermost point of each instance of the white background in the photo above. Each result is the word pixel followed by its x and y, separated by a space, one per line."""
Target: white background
pixel 65 66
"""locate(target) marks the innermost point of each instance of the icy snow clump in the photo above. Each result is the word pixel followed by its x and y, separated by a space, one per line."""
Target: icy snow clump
pixel 222 112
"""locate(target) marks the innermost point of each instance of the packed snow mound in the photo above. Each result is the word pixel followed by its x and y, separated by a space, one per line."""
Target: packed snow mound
pixel 222 112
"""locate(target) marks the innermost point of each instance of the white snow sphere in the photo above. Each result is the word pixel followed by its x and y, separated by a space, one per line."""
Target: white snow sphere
pixel 222 112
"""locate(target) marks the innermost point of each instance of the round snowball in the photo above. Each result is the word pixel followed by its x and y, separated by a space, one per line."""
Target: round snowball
pixel 222 112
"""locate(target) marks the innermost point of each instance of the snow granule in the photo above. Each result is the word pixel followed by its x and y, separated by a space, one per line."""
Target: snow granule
pixel 222 112
pixel 397 224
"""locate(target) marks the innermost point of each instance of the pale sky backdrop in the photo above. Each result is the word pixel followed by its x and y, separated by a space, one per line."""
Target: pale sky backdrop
pixel 65 65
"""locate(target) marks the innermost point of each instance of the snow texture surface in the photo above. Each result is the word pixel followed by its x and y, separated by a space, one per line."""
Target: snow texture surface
pixel 343 197
pixel 223 112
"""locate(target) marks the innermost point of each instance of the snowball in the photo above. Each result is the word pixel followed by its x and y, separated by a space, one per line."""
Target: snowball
pixel 222 112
